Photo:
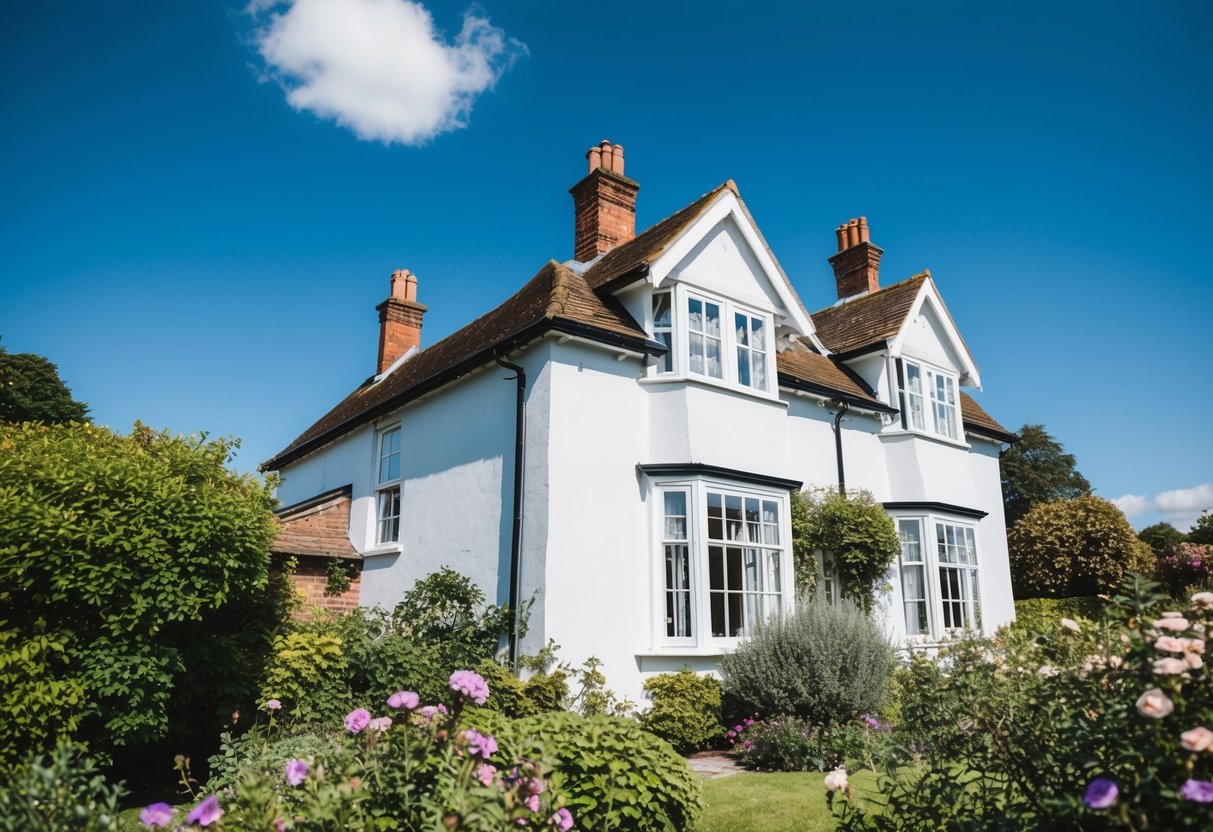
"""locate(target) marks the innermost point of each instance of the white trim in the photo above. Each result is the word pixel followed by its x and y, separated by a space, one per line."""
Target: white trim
pixel 931 566
pixel 970 376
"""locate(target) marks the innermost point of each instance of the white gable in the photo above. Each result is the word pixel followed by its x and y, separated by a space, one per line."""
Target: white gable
pixel 928 333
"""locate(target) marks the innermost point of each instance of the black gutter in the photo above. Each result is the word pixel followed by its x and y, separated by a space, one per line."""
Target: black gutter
pixel 991 433
pixel 448 374
pixel 947 508
pixel 837 395
pixel 516 536
pixel 675 469
pixel 842 477
pixel 856 352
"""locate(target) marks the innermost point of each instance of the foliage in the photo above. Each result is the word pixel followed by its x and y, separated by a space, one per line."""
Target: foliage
pixel 826 662
pixel 685 711
pixel 1082 546
pixel 785 743
pixel 338 576
pixel 1040 616
pixel 31 391
pixel 616 776
pixel 62 792
pixel 133 585
pixel 855 528
pixel 1161 537
pixel 446 610
pixel 308 674
pixel 1036 470
pixel 1091 726
pixel 804 553
pixel 1187 567
pixel 1202 530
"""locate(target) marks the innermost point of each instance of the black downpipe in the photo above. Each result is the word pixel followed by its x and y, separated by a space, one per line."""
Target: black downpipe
pixel 516 541
pixel 843 407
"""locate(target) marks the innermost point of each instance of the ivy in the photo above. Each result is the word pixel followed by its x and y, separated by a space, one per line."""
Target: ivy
pixel 855 529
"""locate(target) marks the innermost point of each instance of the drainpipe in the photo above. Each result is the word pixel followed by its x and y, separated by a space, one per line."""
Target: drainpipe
pixel 843 407
pixel 516 539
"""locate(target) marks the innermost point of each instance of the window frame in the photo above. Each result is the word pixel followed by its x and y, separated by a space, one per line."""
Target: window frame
pixel 928 403
pixel 933 565
pixel 385 487
pixel 699 542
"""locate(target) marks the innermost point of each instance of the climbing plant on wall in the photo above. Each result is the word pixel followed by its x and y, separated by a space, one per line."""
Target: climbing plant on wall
pixel 855 529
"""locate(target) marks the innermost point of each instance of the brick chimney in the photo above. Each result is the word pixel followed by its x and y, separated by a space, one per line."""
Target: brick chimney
pixel 399 319
pixel 604 204
pixel 857 263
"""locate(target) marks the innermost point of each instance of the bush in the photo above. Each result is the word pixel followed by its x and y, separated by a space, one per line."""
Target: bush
pixel 1036 616
pixel 827 663
pixel 1185 568
pixel 615 775
pixel 855 528
pixel 685 711
pixel 135 592
pixel 64 792
pixel 1092 726
pixel 789 744
pixel 1082 546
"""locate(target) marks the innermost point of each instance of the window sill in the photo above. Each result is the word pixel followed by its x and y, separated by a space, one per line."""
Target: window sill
pixel 679 650
pixel 922 434
pixel 748 392
pixel 382 549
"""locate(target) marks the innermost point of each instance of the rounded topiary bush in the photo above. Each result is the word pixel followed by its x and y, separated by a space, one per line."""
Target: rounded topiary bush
pixel 614 774
pixel 685 711
pixel 826 662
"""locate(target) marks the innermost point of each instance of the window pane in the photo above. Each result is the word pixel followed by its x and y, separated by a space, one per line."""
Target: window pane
pixel 733 564
pixel 714 366
pixel 759 339
pixel 718 622
pixel 753 575
pixel 743 331
pixel 712 316
pixel 716 567
pixel 736 619
pixel 695 314
pixel 389 516
pixel 715 517
pixel 661 310
pixel 389 455
pixel 743 366
pixel 675 515
pixel 696 353
pixel 760 371
pixel 773 581
pixel 911 540
pixel 667 360
pixel 732 513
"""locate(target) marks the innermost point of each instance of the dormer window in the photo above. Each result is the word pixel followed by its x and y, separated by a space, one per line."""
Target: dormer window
pixel 751 351
pixel 928 400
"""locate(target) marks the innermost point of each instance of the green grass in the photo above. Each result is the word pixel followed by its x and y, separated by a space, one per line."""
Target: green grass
pixel 772 802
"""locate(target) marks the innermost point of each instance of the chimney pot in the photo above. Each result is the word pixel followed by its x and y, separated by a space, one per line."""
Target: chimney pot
pixel 841 233
pixel 863 229
pixel 856 264
pixel 604 204
pixel 852 233
pixel 617 160
pixel 595 156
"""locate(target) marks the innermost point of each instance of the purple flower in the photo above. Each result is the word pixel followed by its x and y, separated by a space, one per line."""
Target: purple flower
pixel 157 814
pixel 532 803
pixel 272 705
pixel 403 700
pixel 1101 793
pixel 562 820
pixel 480 744
pixel 296 771
pixel 357 719
pixel 485 774
pixel 1198 791
pixel 205 813
pixel 471 685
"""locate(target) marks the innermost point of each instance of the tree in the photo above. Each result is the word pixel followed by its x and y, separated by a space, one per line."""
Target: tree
pixel 1202 529
pixel 135 598
pixel 1035 470
pixel 1082 546
pixel 31 391
pixel 1162 538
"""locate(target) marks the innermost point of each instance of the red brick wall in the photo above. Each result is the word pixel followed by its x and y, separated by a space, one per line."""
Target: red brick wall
pixel 604 213
pixel 311 577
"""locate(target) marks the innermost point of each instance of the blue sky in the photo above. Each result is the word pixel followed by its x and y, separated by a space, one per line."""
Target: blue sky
pixel 197 250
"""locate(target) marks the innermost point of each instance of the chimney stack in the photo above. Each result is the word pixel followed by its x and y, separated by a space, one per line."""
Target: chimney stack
pixel 604 204
pixel 857 263
pixel 399 319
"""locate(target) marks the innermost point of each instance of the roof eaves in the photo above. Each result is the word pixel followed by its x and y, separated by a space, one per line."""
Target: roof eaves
pixel 797 383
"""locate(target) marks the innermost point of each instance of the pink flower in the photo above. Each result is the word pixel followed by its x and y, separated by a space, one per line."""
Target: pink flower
pixel 480 744
pixel 272 705
pixel 1198 739
pixel 562 820
pixel 296 771
pixel 380 723
pixel 403 700
pixel 1193 661
pixel 157 814
pixel 485 774
pixel 1154 704
pixel 1169 667
pixel 470 684
pixel 205 813
pixel 1169 644
pixel 532 803
pixel 1203 601
pixel 357 719
pixel 1172 623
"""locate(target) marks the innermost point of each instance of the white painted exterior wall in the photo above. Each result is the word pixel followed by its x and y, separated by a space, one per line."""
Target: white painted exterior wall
pixel 592 557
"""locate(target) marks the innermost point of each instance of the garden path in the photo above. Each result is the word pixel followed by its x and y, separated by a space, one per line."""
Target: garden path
pixel 713 764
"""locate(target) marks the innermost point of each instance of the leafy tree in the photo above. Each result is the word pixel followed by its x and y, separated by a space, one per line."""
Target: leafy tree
pixel 1035 470
pixel 1161 537
pixel 1202 529
pixel 31 391
pixel 1082 546
pixel 855 528
pixel 135 598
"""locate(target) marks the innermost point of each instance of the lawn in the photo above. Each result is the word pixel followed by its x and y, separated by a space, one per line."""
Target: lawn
pixel 772 802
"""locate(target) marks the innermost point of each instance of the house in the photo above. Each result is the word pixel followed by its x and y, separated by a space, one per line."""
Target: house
pixel 620 439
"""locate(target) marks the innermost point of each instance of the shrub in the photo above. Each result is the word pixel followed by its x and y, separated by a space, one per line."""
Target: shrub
pixel 1036 616
pixel 1082 546
pixel 685 711
pixel 129 565
pixel 855 528
pixel 1094 726
pixel 615 775
pixel 826 662
pixel 62 792
pixel 1185 568
pixel 789 744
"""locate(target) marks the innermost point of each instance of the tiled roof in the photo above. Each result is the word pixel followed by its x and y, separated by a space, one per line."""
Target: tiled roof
pixel 555 298
pixel 643 250
pixel 979 421
pixel 816 371
pixel 868 319
pixel 319 526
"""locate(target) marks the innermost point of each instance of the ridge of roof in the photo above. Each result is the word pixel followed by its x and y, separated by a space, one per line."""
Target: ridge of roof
pixel 643 249
pixel 868 319
pixel 556 297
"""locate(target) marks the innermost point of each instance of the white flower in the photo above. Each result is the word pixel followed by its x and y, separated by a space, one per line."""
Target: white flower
pixel 1172 615
pixel 1175 625
pixel 836 780
pixel 1170 666
pixel 1115 661
pixel 1169 644
pixel 1154 704
pixel 1071 625
pixel 1203 600
pixel 1194 645
pixel 1048 670
pixel 1193 661
pixel 1198 739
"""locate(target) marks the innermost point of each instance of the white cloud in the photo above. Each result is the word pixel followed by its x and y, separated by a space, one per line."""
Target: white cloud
pixel 1180 506
pixel 377 66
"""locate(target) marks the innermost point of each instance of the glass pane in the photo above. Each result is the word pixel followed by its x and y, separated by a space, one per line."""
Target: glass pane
pixel 914 379
pixel 753 612
pixel 696 353
pixel 759 339
pixel 732 513
pixel 713 362
pixel 743 366
pixel 912 584
pixel 742 330
pixel 760 370
pixel 911 542
pixel 733 577
pixel 661 310
pixel 736 618
pixel 753 575
pixel 916 618
pixel 713 320
pixel 718 623
pixel 675 515
pixel 752 519
pixel 695 315
pixel 667 360
pixel 773 582
pixel 715 517
pixel 716 567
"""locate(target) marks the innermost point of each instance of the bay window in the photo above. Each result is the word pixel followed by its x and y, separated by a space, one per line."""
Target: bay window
pixel 920 384
pixel 703 324
pixel 387 487
pixel 724 560
pixel 940 590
